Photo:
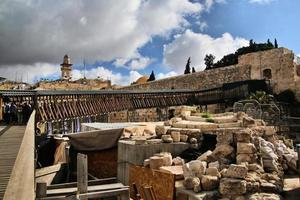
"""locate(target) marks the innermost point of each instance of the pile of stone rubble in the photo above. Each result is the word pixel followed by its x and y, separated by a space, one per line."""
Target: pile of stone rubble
pixel 248 161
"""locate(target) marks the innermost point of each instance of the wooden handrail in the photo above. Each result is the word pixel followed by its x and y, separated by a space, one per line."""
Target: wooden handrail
pixel 21 183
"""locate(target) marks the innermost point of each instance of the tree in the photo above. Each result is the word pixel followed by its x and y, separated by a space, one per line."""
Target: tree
pixel 209 61
pixel 251 43
pixel 151 77
pixel 269 44
pixel 193 70
pixel 275 43
pixel 187 66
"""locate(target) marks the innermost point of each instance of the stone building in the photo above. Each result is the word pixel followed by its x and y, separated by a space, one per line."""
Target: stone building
pixel 66 82
pixel 280 66
pixel 66 69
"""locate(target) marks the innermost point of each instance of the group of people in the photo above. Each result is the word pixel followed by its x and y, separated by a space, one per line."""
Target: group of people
pixel 16 112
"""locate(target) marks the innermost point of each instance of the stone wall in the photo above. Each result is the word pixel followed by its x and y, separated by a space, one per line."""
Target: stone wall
pixel 88 84
pixel 199 80
pixel 281 64
pixel 276 65
pixel 139 115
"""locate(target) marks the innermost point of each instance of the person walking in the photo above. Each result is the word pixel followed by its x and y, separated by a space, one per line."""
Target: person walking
pixel 6 115
pixel 13 113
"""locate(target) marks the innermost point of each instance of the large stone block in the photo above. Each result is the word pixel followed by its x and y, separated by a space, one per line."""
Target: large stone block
pixel 249 158
pixel 224 138
pixel 247 148
pixel 243 135
pixel 231 186
pixel 195 168
pixel 209 182
pixel 223 150
pixel 235 171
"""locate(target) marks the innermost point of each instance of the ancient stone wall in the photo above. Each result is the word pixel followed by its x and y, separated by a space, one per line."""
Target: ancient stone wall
pixel 199 80
pixel 74 85
pixel 139 115
pixel 276 65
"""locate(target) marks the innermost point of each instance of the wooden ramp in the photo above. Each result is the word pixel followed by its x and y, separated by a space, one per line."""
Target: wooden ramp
pixel 10 141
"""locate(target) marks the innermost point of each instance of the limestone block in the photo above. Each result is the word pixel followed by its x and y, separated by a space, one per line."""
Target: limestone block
pixel 235 171
pixel 213 171
pixel 161 130
pixel 209 182
pixel 147 163
pixel 167 138
pixel 243 135
pixel 175 136
pixel 249 158
pixel 261 196
pixel 225 138
pixel 269 188
pixel 178 161
pixel 252 187
pixel 215 164
pixel 247 148
pixel 248 121
pixel 203 156
pixel 240 115
pixel 270 130
pixel 181 124
pixel 195 118
pixel 194 168
pixel 231 186
pixel 156 162
pixel 223 150
pixel 192 183
pixel 183 138
pixel 167 158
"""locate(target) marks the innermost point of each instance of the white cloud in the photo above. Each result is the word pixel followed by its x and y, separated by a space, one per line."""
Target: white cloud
pixel 196 46
pixel 166 75
pixel 43 31
pixel 139 63
pixel 261 1
pixel 30 73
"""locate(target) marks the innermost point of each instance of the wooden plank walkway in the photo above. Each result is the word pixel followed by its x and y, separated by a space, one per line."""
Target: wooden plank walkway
pixel 10 141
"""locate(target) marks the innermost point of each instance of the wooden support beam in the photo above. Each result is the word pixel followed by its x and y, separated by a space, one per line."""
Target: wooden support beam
pixel 41 189
pixel 82 174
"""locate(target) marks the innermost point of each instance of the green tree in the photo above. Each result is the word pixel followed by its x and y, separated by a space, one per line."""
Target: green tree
pixel 269 44
pixel 209 61
pixel 251 43
pixel 193 70
pixel 151 77
pixel 275 43
pixel 262 97
pixel 187 66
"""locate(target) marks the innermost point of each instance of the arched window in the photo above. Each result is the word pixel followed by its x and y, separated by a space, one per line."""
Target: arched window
pixel 267 73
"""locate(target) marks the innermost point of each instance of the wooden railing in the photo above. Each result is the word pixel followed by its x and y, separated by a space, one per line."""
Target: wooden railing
pixel 21 183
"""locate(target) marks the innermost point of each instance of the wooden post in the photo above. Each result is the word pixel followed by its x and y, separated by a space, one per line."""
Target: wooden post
pixel 298 162
pixel 82 174
pixel 41 190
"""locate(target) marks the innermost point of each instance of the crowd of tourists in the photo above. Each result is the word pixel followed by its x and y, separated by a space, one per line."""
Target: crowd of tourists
pixel 16 112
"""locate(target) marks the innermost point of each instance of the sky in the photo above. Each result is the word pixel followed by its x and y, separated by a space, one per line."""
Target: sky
pixel 122 40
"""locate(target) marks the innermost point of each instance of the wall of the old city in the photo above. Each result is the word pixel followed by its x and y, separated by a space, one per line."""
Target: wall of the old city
pixel 74 85
pixel 279 61
pixel 284 73
pixel 139 115
pixel 199 80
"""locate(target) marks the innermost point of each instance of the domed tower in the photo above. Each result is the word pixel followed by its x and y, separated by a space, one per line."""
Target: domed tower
pixel 66 69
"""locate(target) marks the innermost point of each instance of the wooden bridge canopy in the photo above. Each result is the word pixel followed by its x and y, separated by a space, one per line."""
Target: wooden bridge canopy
pixel 58 105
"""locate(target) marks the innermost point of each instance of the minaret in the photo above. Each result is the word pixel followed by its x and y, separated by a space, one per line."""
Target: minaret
pixel 66 69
